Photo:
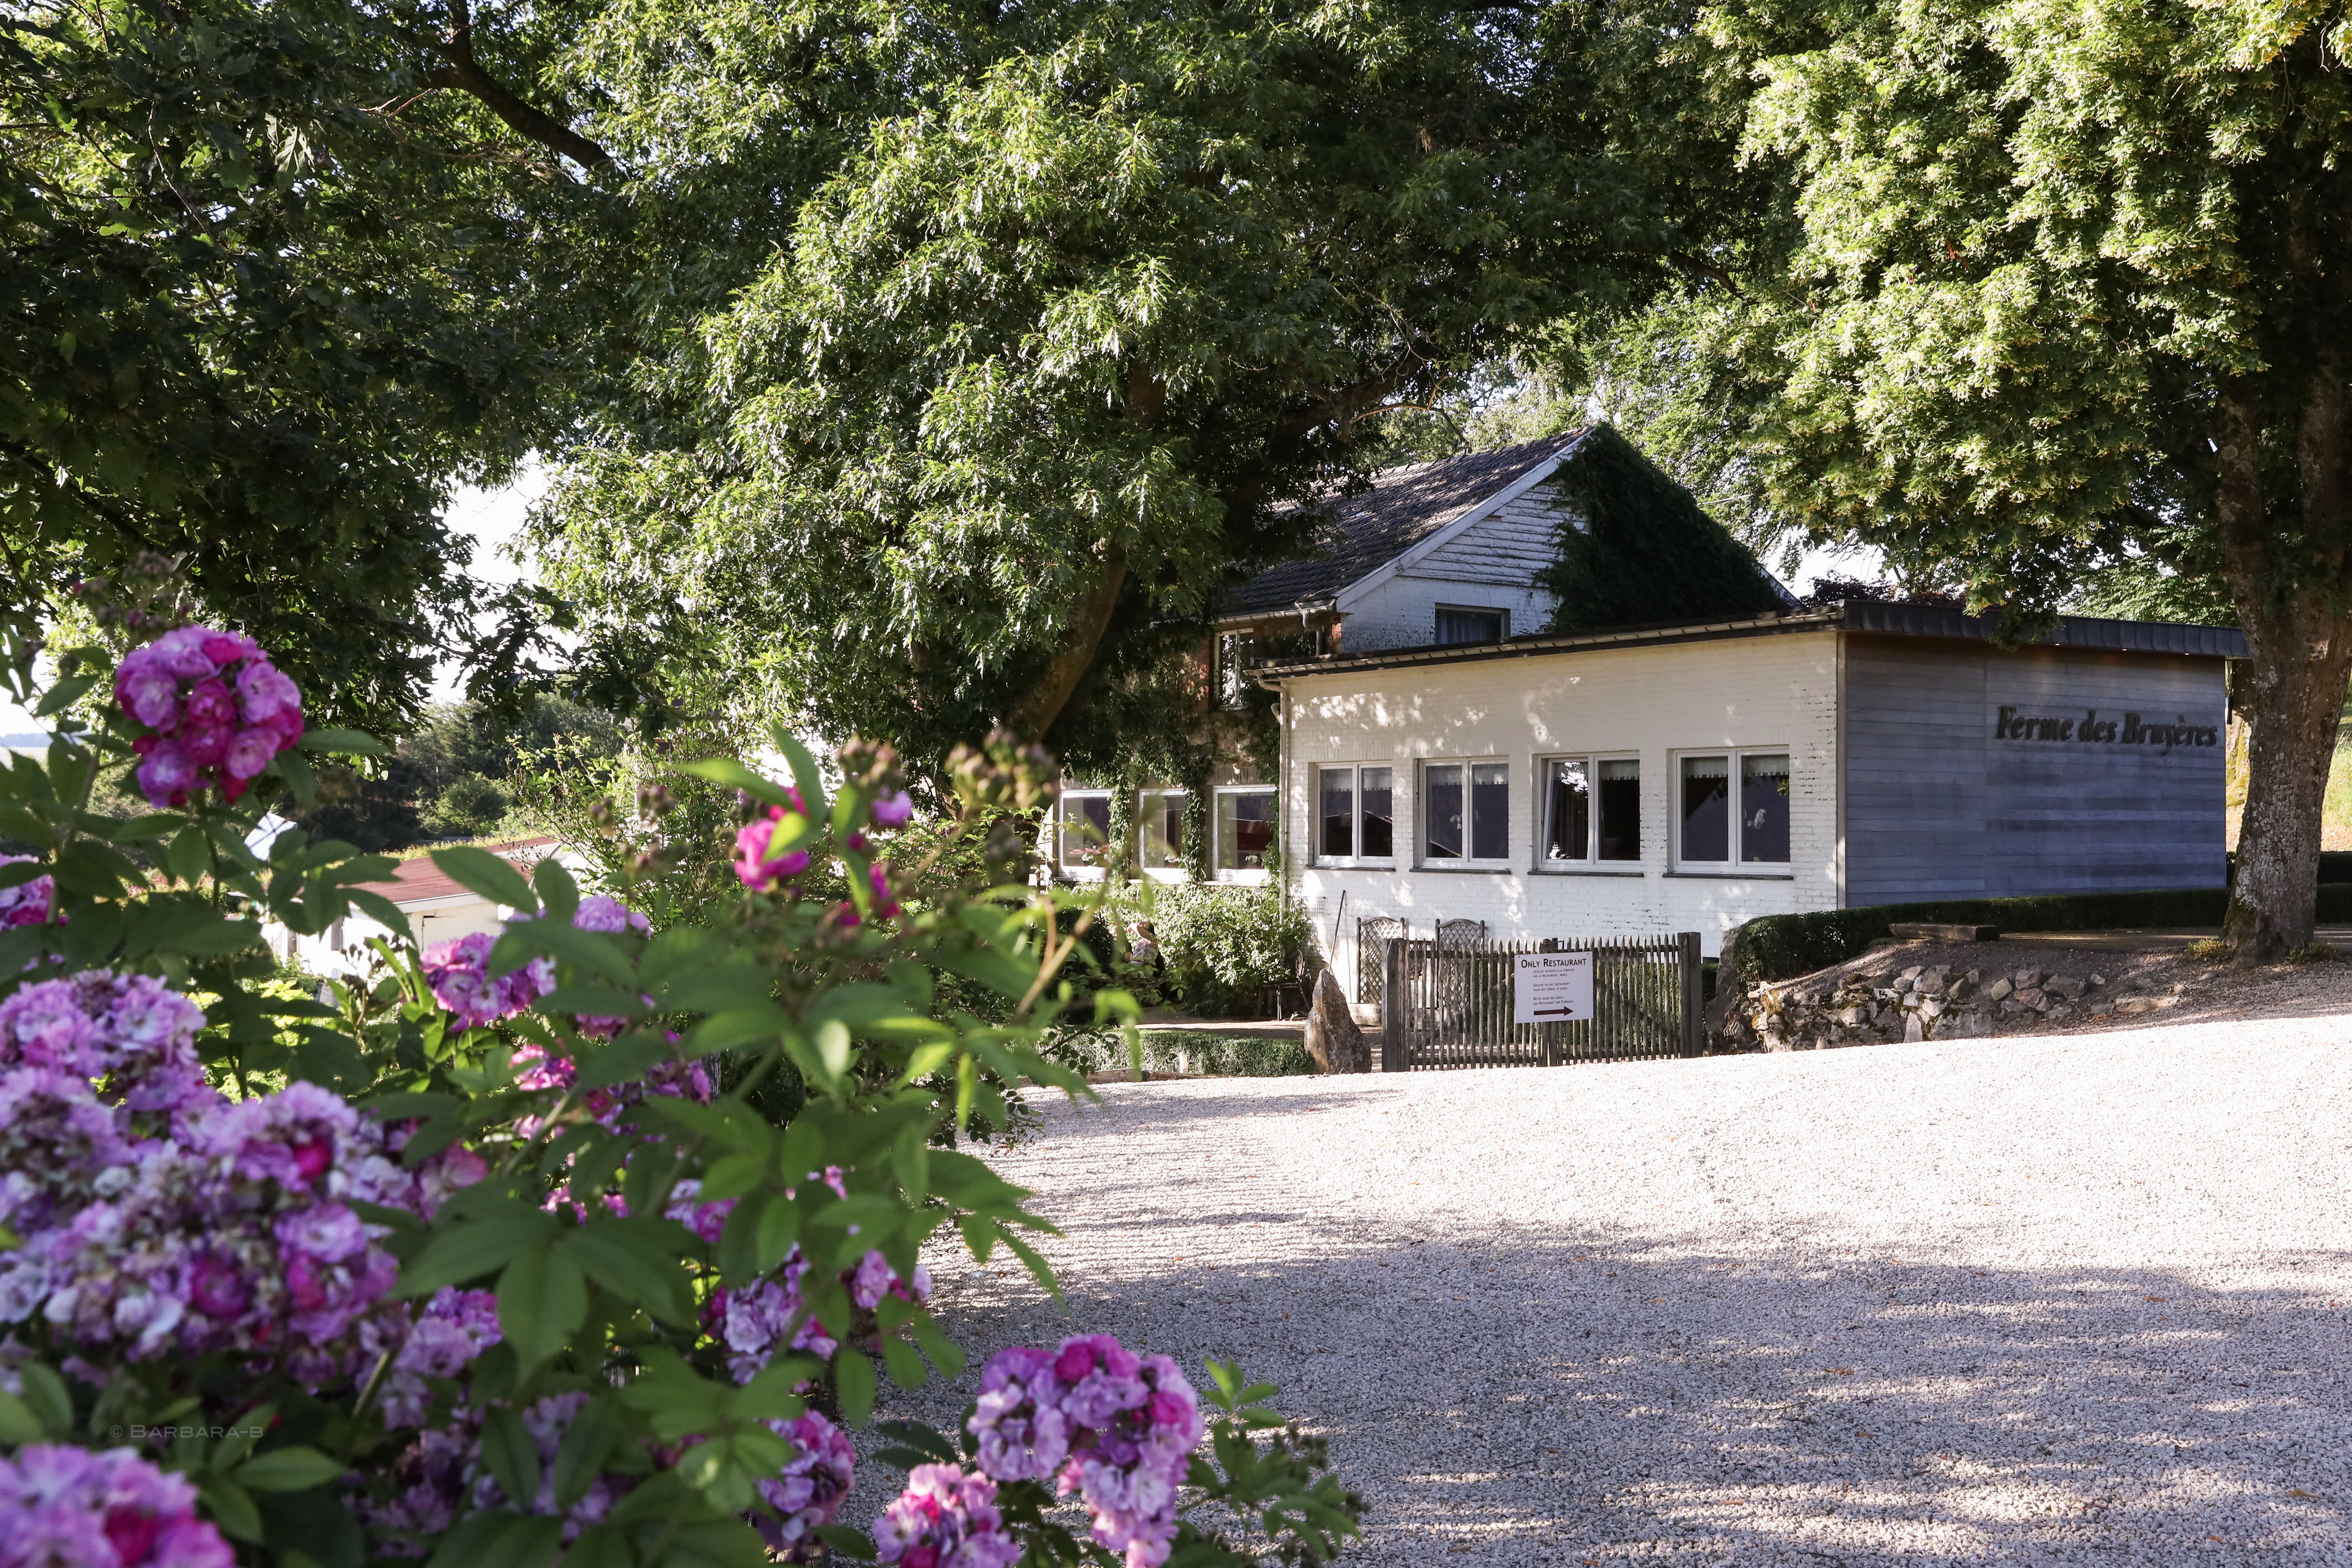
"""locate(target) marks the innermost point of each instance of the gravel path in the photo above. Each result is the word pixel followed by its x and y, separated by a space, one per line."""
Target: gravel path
pixel 2079 1299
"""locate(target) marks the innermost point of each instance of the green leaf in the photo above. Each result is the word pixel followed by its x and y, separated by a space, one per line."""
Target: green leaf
pixel 63 696
pixel 295 1469
pixel 230 1506
pixel 45 1394
pixel 469 1544
pixel 600 1546
pixel 727 771
pixel 478 870
pixel 468 1251
pixel 18 1425
pixel 343 743
pixel 593 1436
pixel 528 939
pixel 626 1058
pixel 512 1456
pixel 625 1262
pixel 543 1298
pixel 853 1379
pixel 295 768
pixel 849 1542
pixel 780 1227
pixel 556 889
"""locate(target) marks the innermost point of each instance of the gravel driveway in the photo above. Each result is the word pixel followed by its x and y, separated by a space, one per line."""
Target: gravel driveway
pixel 2056 1299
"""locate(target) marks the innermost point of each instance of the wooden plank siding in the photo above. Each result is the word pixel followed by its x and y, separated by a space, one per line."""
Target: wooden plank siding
pixel 1936 806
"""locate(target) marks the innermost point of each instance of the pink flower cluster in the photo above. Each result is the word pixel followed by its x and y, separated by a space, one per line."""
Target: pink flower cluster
pixel 71 1508
pixel 755 868
pixel 809 1491
pixel 27 903
pixel 945 1519
pixel 455 1327
pixel 1113 1426
pixel 459 972
pixel 157 1218
pixel 749 1322
pixel 218 711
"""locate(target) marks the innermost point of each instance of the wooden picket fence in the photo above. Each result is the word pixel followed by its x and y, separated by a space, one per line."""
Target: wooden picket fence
pixel 1449 1003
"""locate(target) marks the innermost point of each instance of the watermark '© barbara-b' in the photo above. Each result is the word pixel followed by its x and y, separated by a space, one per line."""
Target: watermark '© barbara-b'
pixel 142 1434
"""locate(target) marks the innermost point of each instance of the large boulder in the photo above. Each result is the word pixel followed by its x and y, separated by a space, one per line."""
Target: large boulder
pixel 1333 1039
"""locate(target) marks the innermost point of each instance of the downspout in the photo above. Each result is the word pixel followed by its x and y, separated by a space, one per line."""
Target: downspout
pixel 1281 691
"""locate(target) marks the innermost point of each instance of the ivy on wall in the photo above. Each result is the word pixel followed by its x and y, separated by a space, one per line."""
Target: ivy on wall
pixel 1647 553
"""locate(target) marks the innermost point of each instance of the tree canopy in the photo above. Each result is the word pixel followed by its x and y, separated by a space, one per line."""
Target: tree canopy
pixel 1045 364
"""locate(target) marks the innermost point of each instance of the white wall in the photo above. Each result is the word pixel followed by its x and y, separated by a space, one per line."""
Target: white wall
pixel 1491 565
pixel 1767 692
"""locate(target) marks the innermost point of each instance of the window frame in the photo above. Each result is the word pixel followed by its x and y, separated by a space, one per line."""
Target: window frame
pixel 1156 872
pixel 1540 860
pixel 1356 858
pixel 1734 760
pixel 1501 612
pixel 1218 870
pixel 1079 872
pixel 1422 859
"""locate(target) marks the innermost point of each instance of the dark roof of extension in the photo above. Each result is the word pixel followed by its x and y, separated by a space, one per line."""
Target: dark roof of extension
pixel 1367 530
pixel 1854 615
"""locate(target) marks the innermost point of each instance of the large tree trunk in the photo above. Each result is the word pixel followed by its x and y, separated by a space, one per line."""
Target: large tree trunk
pixel 1034 714
pixel 2301 643
pixel 2294 705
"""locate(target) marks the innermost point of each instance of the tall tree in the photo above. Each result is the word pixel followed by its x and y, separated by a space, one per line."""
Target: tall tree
pixel 276 275
pixel 2068 282
pixel 1058 352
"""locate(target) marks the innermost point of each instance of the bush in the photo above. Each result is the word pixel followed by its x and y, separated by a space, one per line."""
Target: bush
pixel 471 806
pixel 476 1261
pixel 1222 948
pixel 1191 1051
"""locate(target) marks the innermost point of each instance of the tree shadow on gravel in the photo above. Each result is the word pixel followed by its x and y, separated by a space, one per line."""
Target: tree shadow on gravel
pixel 1517 1401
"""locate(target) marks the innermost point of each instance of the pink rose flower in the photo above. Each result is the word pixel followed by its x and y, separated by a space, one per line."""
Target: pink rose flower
pixel 167 775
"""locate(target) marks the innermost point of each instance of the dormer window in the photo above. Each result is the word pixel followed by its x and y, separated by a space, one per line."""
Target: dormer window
pixel 1459 623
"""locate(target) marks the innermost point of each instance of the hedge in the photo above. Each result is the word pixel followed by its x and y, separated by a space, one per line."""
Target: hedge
pixel 1200 1053
pixel 1783 946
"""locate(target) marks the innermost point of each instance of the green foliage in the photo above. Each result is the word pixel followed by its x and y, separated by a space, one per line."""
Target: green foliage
pixel 1196 1053
pixel 1645 552
pixel 471 806
pixel 1222 947
pixel 1781 946
pixel 595 1297
pixel 269 295
pixel 1041 365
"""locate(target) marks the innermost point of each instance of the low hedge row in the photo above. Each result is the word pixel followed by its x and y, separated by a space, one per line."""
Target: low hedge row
pixel 1198 1052
pixel 1783 946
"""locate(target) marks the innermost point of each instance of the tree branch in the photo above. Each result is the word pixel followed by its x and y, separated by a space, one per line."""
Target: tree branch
pixel 464 74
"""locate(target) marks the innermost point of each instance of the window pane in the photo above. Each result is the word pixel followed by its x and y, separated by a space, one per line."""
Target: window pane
pixel 1707 808
pixel 1339 811
pixel 1469 625
pixel 1764 809
pixel 1161 825
pixel 1244 829
pixel 1620 810
pixel 1379 829
pixel 1569 836
pixel 1085 829
pixel 1490 810
pixel 1443 814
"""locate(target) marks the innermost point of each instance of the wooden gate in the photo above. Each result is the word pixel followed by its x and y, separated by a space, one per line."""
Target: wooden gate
pixel 1449 1003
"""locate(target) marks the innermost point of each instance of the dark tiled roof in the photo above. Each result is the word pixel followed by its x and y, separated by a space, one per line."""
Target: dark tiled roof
pixel 1404 507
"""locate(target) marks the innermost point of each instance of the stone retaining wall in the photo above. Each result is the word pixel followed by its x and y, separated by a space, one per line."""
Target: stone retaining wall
pixel 1881 1000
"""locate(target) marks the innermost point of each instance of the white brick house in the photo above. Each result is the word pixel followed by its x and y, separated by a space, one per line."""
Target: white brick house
pixel 1689 778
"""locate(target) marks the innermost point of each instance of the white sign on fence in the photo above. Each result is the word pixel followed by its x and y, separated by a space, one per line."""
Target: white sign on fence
pixel 1553 988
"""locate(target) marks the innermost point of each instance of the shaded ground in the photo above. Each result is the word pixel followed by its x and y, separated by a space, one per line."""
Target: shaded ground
pixel 2072 1298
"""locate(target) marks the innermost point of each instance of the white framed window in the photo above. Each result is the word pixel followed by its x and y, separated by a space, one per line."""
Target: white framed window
pixel 1246 831
pixel 1465 814
pixel 1355 815
pixel 1083 839
pixel 1472 623
pixel 1731 808
pixel 1591 809
pixel 1160 830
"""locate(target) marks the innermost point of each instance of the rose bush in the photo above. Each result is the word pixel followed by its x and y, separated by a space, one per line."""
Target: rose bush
pixel 472 1261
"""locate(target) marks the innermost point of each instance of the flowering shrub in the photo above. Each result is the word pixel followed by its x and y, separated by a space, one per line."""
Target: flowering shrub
pixel 215 711
pixel 109 1509
pixel 471 1261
